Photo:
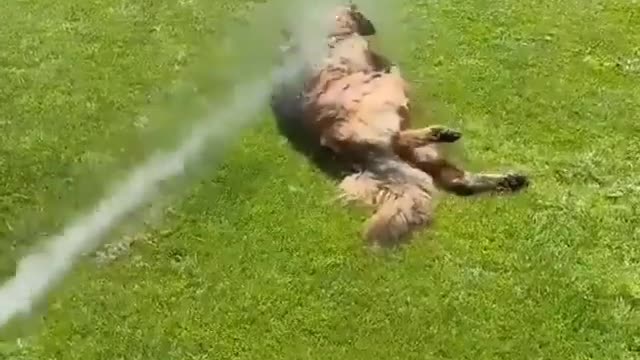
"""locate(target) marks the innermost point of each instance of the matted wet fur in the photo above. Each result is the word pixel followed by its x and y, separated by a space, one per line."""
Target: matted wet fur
pixel 351 116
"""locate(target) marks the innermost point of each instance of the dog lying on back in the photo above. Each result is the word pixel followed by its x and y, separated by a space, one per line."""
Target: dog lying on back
pixel 354 107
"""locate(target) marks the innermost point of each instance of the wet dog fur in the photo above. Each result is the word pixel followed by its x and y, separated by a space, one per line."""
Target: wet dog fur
pixel 350 115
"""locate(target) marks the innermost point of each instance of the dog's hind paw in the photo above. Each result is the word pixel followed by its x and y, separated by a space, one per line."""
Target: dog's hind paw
pixel 513 183
pixel 444 134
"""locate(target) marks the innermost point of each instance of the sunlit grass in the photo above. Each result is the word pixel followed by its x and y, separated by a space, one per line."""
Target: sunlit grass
pixel 255 261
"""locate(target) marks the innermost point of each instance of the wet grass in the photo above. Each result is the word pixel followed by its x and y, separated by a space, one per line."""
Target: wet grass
pixel 255 261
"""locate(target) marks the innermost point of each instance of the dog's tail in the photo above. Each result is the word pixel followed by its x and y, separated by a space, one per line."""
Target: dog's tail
pixel 401 195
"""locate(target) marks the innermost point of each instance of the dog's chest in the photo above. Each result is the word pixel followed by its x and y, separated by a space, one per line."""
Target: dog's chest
pixel 351 52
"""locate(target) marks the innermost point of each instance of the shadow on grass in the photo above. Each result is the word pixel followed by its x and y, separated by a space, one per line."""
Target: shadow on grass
pixel 286 105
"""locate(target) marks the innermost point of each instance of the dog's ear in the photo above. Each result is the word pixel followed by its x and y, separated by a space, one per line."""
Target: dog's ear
pixel 364 25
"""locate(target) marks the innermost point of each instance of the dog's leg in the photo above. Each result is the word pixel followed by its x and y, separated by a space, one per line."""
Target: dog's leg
pixel 453 179
pixel 415 138
pixel 465 183
pixel 400 195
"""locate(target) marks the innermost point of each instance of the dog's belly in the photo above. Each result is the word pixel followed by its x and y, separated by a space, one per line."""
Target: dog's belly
pixel 383 104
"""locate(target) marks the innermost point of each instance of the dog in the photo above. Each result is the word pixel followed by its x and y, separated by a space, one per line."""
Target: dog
pixel 354 108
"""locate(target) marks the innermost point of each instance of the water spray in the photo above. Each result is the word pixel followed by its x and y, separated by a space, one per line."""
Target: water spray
pixel 37 273
pixel 40 271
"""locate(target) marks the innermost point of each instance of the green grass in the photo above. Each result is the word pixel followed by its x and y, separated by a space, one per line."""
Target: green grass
pixel 255 262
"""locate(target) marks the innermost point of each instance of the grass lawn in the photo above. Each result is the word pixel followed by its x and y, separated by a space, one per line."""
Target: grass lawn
pixel 253 261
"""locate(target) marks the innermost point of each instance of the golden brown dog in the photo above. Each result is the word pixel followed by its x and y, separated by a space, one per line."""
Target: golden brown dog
pixel 355 103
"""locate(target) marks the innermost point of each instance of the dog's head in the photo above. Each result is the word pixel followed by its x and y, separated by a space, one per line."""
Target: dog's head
pixel 349 20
